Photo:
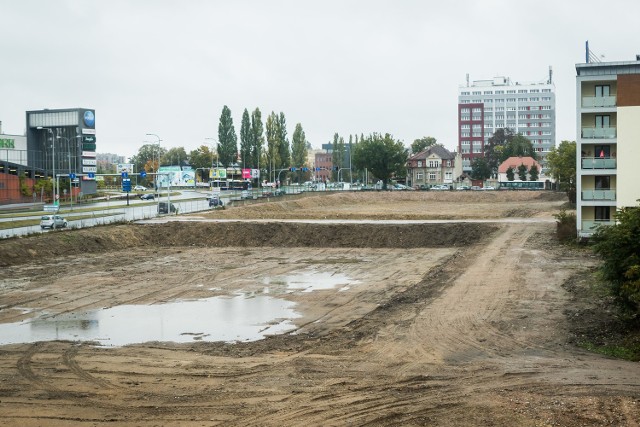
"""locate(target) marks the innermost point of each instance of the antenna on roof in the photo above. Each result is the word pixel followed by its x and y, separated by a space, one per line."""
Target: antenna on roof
pixel 590 56
pixel 467 79
pixel 550 75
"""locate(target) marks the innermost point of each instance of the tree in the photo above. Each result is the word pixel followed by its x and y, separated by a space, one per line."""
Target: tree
pixel 511 176
pixel 534 173
pixel 174 156
pixel 422 144
pixel 337 154
pixel 284 151
pixel 299 147
pixel 202 159
pixel 246 139
pixel 227 138
pixel 504 144
pixel 148 160
pixel 381 155
pixel 522 172
pixel 257 138
pixel 480 169
pixel 561 161
pixel 271 155
pixel 619 247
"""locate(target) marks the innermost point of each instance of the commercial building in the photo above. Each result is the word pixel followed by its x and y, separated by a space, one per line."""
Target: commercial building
pixel 487 105
pixel 607 148
pixel 63 142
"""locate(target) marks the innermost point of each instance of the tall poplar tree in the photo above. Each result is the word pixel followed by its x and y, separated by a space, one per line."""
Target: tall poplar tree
pixel 284 152
pixel 271 155
pixel 257 138
pixel 299 147
pixel 227 138
pixel 246 140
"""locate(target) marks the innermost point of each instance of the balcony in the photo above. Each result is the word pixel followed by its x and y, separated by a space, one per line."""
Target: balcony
pixel 598 101
pixel 599 133
pixel 599 163
pixel 597 195
pixel 592 225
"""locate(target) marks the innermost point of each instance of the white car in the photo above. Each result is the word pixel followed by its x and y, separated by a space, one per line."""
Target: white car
pixel 441 187
pixel 139 188
pixel 52 221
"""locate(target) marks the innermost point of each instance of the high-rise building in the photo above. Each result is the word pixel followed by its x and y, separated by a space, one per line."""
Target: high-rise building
pixel 607 148
pixel 487 105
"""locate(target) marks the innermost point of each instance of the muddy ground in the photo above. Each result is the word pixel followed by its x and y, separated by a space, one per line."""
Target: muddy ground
pixel 444 324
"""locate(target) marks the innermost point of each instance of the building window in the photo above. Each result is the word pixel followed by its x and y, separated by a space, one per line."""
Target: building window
pixel 419 176
pixel 432 176
pixel 419 163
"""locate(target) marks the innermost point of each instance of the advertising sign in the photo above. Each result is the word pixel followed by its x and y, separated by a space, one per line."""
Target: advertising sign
pixel 89 162
pixel 175 176
pixel 219 173
pixel 86 169
pixel 125 167
pixel 255 173
pixel 88 131
pixel 246 174
pixel 88 154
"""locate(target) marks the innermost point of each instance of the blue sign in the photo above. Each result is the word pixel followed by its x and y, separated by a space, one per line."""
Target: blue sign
pixel 91 175
pixel 124 174
pixel 126 184
pixel 72 176
pixel 89 118
pixel 292 169
pixel 317 169
pixel 305 169
pixel 143 174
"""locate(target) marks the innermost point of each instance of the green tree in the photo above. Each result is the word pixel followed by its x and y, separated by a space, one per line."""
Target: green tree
pixel 561 161
pixel 175 156
pixel 337 155
pixel 619 247
pixel 517 146
pixel 201 159
pixel 382 156
pixel 284 151
pixel 522 172
pixel 257 138
pixel 480 169
pixel 147 159
pixel 511 176
pixel 422 144
pixel 493 150
pixel 271 155
pixel 534 173
pixel 299 147
pixel 227 138
pixel 246 139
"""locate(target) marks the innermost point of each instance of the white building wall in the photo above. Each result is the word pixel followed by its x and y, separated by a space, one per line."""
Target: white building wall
pixel 628 182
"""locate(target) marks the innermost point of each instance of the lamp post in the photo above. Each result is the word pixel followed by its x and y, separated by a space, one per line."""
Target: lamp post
pixel 69 160
pixel 53 165
pixel 157 176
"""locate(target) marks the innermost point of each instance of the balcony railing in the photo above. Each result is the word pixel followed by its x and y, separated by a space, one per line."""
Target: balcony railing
pixel 595 195
pixel 599 133
pixel 592 225
pixel 598 101
pixel 599 163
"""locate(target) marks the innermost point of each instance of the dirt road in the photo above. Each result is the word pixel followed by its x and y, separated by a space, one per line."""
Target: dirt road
pixel 438 324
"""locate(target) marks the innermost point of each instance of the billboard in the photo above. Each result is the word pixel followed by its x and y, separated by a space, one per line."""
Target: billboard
pixel 125 167
pixel 175 176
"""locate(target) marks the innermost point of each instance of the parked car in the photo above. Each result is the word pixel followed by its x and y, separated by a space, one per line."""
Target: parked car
pixel 139 188
pixel 488 188
pixel 441 187
pixel 246 194
pixel 147 196
pixel 463 188
pixel 52 221
pixel 476 188
pixel 164 207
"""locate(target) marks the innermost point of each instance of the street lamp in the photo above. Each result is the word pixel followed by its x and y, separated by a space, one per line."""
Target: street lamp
pixel 157 175
pixel 53 165
pixel 69 159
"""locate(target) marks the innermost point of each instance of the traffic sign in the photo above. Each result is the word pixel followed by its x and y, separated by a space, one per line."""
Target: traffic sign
pixel 91 175
pixel 124 175
pixel 143 174
pixel 126 184
pixel 72 176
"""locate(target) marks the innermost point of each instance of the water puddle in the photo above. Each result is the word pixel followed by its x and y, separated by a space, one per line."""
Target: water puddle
pixel 228 319
pixel 310 281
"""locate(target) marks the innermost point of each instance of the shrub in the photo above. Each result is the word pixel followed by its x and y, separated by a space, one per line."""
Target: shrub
pixel 566 226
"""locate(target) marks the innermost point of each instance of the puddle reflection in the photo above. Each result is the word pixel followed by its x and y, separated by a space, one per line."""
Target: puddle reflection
pixel 213 319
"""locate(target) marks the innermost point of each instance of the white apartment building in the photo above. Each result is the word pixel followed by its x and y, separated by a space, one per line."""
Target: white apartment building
pixel 487 105
pixel 607 148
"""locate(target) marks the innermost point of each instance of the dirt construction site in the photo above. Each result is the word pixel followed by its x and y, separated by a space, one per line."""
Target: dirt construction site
pixel 372 309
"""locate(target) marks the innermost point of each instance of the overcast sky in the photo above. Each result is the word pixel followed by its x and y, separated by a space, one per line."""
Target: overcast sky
pixel 351 67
